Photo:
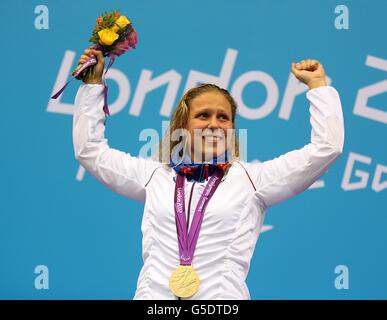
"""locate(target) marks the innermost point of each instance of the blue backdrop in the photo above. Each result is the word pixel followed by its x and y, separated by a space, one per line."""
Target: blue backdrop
pixel 63 235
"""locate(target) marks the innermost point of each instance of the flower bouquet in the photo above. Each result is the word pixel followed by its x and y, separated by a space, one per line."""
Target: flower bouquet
pixel 113 34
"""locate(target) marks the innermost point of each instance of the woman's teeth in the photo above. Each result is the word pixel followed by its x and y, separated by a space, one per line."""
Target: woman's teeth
pixel 211 139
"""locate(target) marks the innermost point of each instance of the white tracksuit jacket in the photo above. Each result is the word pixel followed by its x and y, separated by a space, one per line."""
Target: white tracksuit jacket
pixel 234 216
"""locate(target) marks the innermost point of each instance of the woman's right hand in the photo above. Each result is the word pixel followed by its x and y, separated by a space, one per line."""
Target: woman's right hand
pixel 98 68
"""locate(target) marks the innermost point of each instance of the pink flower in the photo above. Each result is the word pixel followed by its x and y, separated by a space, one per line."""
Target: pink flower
pixel 133 38
pixel 123 46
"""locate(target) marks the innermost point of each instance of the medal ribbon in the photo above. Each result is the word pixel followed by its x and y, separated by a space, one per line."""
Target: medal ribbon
pixel 187 240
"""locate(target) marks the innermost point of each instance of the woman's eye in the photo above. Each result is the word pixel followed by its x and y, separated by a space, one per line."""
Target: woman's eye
pixel 203 115
pixel 223 117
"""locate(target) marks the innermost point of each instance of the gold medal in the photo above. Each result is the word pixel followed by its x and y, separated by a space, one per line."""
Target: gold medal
pixel 184 281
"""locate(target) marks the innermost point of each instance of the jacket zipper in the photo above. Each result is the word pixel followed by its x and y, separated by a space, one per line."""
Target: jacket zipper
pixel 189 204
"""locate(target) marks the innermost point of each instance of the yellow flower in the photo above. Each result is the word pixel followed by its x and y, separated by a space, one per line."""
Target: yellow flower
pixel 122 22
pixel 107 37
pixel 115 28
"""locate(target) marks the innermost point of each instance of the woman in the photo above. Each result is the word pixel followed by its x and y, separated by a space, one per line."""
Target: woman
pixel 180 198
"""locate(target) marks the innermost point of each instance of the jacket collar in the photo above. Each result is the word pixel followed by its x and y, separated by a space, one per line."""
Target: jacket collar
pixel 197 171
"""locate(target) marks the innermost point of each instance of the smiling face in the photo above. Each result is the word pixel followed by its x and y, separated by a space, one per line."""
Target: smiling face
pixel 209 118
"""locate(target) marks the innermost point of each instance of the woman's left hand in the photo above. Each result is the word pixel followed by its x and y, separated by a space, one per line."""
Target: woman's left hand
pixel 310 72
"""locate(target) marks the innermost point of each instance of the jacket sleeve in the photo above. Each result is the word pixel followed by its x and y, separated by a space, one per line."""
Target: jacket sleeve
pixel 293 172
pixel 121 172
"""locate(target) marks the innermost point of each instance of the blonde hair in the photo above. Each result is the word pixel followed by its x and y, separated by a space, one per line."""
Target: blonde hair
pixel 180 116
